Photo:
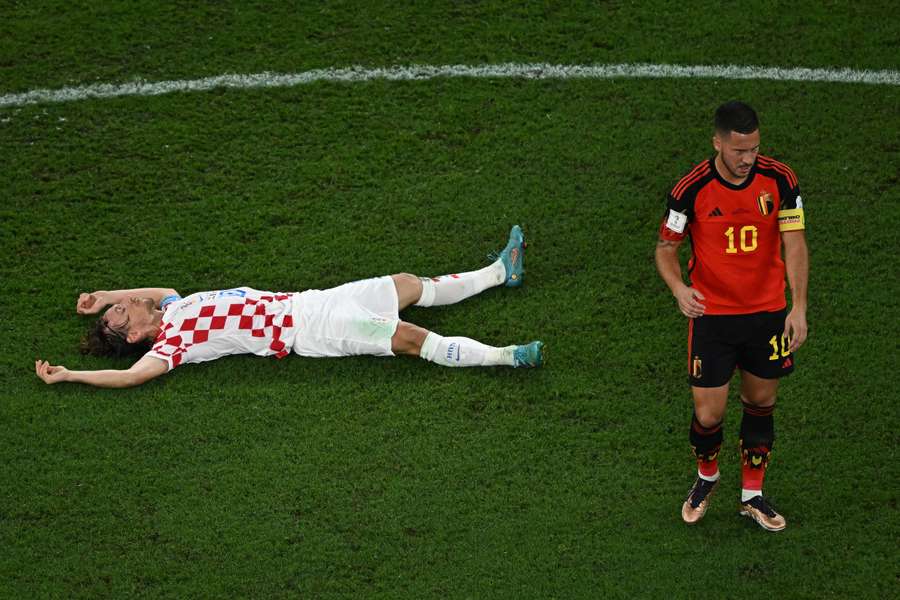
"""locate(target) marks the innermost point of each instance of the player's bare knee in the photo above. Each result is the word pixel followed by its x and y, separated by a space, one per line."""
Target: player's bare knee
pixel 708 416
pixel 409 288
pixel 408 339
pixel 710 404
pixel 408 279
pixel 758 398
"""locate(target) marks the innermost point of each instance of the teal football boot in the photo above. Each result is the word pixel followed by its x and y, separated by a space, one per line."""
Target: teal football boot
pixel 513 257
pixel 529 355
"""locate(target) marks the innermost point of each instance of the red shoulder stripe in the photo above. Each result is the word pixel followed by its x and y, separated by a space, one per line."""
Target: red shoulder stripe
pixel 773 161
pixel 791 178
pixel 689 179
pixel 700 175
pixel 782 168
pixel 688 176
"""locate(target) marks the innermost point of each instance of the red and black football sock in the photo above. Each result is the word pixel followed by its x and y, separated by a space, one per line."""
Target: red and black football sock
pixel 705 442
pixel 757 438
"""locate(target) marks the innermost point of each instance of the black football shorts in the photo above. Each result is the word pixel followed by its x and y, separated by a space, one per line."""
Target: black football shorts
pixel 719 343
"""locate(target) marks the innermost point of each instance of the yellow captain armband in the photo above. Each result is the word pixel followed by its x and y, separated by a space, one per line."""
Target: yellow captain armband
pixel 791 219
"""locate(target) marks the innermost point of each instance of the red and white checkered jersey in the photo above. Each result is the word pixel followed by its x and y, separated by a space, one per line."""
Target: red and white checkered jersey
pixel 208 325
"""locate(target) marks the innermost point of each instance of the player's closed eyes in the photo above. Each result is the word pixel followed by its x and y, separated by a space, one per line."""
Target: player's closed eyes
pixel 114 332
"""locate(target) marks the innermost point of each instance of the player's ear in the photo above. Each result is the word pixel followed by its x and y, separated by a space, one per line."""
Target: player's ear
pixel 135 335
pixel 717 142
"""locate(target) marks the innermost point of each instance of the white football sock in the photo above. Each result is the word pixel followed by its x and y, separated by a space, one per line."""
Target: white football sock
pixel 708 477
pixel 450 289
pixel 464 352
pixel 748 494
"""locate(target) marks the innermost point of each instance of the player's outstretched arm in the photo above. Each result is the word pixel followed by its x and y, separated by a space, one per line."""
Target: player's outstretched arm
pixel 89 304
pixel 143 370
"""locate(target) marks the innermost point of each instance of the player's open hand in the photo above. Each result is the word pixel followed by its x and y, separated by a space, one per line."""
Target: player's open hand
pixel 89 304
pixel 689 302
pixel 795 328
pixel 49 373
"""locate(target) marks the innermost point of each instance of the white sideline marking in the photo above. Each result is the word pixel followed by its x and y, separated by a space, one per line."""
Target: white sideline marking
pixel 417 72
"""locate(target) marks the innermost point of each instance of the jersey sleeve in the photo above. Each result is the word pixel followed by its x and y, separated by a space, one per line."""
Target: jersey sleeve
pixel 679 213
pixel 790 209
pixel 168 300
pixel 680 203
pixel 171 350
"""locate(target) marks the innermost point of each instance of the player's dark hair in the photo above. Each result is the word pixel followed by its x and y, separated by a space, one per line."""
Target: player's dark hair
pixel 100 340
pixel 736 116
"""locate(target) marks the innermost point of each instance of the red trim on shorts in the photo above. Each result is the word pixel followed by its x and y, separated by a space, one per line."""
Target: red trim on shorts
pixel 690 339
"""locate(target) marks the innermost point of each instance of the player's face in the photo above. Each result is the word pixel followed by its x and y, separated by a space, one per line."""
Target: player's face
pixel 737 153
pixel 129 315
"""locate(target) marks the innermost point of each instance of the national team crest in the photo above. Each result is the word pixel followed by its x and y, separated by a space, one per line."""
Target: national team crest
pixel 764 203
pixel 697 368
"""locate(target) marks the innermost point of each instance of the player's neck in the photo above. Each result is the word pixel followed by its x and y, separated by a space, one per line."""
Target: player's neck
pixel 726 174
pixel 156 322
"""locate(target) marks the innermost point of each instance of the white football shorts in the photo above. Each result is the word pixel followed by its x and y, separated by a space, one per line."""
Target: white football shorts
pixel 355 318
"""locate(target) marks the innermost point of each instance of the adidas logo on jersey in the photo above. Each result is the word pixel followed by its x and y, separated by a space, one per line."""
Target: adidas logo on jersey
pixel 717 212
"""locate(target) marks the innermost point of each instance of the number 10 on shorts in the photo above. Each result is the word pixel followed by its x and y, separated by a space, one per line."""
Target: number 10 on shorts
pixel 779 352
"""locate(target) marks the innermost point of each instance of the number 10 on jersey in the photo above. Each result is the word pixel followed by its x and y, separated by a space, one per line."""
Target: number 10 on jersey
pixel 746 238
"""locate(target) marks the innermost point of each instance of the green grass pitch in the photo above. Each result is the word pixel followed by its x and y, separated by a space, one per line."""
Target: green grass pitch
pixel 366 477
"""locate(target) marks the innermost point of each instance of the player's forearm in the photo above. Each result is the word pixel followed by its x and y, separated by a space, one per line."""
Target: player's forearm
pixel 108 378
pixel 668 266
pixel 116 296
pixel 796 263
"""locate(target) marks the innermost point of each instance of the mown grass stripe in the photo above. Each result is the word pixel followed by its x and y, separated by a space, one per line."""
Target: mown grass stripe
pixel 417 72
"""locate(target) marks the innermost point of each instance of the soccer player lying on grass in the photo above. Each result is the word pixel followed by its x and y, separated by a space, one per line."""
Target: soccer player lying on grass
pixel 361 317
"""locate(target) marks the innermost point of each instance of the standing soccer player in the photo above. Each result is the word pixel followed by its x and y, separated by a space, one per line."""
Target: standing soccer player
pixel 739 209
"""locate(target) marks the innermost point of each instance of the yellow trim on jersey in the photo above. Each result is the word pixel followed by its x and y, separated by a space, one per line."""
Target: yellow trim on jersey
pixel 791 219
